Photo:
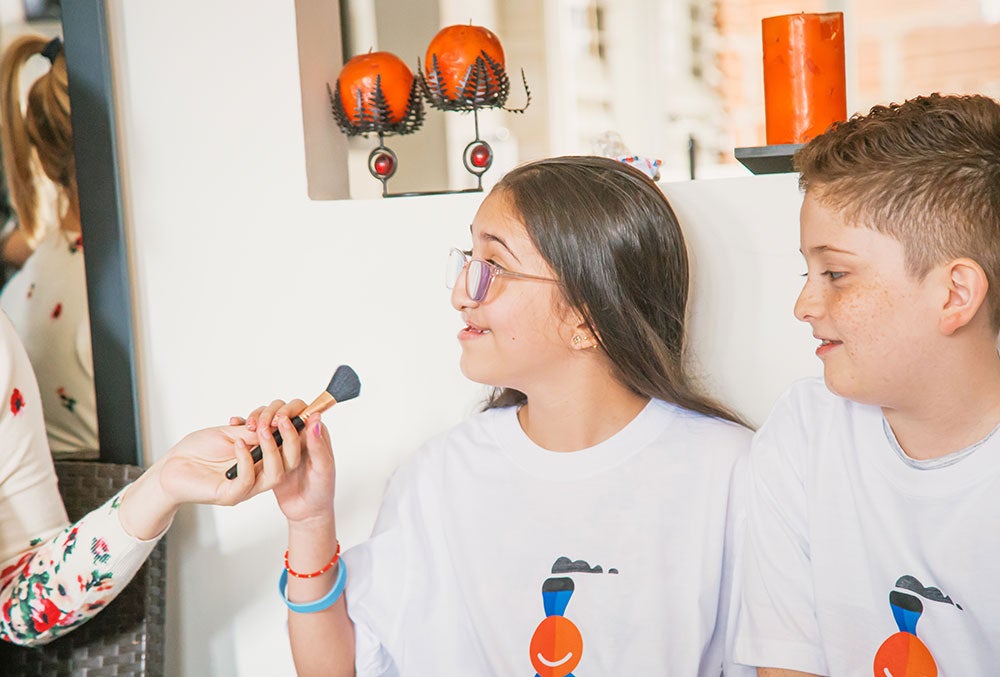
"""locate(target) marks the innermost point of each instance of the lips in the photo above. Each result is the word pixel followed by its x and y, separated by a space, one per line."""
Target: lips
pixel 476 330
pixel 471 331
pixel 826 345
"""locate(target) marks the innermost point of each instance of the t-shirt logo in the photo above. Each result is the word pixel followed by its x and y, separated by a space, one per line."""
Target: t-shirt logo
pixel 904 654
pixel 557 644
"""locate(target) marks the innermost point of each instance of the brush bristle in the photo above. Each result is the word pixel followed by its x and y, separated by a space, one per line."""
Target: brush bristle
pixel 345 384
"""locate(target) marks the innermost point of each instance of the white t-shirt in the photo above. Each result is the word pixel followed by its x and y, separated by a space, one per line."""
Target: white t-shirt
pixel 860 561
pixel 47 302
pixel 493 556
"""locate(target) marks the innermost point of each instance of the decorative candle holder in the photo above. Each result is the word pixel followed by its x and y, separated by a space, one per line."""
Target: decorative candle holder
pixel 486 87
pixel 465 72
pixel 372 112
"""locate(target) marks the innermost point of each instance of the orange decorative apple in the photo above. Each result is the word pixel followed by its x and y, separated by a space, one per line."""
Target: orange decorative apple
pixel 450 66
pixel 363 75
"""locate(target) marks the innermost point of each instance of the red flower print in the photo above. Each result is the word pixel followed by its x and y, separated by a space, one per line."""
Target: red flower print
pixel 46 616
pixel 8 573
pixel 99 548
pixel 16 402
pixel 57 311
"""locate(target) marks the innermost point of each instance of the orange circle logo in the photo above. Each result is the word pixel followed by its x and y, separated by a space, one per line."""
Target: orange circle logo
pixel 904 655
pixel 556 647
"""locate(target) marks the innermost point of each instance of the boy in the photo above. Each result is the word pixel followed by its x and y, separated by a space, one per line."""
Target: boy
pixel 875 497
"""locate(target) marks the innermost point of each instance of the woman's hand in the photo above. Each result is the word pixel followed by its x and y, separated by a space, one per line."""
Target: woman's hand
pixel 306 487
pixel 194 471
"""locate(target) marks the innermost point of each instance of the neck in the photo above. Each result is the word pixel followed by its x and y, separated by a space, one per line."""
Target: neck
pixel 581 413
pixel 961 407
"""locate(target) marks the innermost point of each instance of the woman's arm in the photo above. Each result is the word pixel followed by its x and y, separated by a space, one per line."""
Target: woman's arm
pixel 69 578
pixel 62 582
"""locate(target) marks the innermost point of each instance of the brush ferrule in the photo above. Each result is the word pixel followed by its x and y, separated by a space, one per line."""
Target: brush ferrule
pixel 320 404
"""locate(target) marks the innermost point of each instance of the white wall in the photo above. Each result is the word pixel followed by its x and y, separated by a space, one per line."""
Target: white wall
pixel 743 236
pixel 246 290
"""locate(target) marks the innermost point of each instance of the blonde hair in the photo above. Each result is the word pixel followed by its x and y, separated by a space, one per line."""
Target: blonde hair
pixel 925 172
pixel 39 136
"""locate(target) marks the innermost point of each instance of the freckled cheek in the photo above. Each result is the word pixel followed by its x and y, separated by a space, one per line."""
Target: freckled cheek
pixel 865 318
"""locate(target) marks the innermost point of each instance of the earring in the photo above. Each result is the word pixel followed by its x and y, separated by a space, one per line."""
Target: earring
pixel 577 339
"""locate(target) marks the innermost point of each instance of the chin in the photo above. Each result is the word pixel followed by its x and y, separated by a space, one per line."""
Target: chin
pixel 473 372
pixel 850 389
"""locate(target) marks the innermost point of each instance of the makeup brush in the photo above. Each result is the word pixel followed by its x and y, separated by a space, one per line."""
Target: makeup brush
pixel 343 386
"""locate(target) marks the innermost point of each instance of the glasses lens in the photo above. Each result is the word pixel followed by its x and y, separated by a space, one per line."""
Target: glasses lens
pixel 456 261
pixel 477 280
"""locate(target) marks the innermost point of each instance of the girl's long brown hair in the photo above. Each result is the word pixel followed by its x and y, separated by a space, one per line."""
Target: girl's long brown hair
pixel 614 243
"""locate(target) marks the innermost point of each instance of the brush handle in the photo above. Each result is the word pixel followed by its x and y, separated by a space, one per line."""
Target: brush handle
pixel 256 454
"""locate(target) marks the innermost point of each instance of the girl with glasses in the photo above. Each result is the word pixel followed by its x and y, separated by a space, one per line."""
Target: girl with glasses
pixel 581 522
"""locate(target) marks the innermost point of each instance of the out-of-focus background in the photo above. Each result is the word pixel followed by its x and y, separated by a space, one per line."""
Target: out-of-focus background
pixel 667 74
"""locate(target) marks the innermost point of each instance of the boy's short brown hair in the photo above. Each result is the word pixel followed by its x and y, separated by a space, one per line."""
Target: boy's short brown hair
pixel 925 172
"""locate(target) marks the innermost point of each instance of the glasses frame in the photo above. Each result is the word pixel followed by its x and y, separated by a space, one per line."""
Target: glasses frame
pixel 492 272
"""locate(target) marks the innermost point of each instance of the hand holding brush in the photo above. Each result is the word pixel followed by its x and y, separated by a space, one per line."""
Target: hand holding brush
pixel 344 385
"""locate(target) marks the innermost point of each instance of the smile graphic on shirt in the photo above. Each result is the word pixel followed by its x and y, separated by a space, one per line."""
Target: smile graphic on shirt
pixel 557 645
pixel 904 654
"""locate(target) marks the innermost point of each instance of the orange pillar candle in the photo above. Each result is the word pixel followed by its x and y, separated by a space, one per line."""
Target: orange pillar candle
pixel 804 83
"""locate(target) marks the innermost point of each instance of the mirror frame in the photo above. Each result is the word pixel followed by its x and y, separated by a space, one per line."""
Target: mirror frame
pixel 88 63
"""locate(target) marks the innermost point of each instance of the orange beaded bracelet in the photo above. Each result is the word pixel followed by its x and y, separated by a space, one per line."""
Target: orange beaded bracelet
pixel 291 572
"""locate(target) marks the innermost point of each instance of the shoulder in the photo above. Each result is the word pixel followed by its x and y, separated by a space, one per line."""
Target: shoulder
pixel 704 439
pixel 472 437
pixel 808 402
pixel 807 424
pixel 709 430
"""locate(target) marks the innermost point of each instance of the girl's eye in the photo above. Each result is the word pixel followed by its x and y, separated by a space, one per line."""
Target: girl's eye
pixel 833 274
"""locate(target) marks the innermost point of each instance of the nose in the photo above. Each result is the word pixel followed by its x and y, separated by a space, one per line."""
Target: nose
pixel 808 306
pixel 459 293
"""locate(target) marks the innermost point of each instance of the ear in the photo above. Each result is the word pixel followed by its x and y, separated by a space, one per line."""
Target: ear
pixel 584 337
pixel 967 286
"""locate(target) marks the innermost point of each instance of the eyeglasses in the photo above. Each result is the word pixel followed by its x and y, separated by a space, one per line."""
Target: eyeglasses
pixel 480 274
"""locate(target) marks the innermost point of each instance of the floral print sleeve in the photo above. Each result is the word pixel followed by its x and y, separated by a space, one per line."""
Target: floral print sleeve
pixel 62 582
pixel 53 575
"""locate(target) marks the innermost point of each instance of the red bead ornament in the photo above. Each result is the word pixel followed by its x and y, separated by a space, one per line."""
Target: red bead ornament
pixel 291 572
pixel 384 165
pixel 480 156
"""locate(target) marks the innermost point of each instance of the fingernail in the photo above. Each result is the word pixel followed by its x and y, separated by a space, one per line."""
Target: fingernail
pixel 317 430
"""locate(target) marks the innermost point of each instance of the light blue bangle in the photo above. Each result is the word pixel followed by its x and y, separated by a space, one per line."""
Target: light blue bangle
pixel 325 602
